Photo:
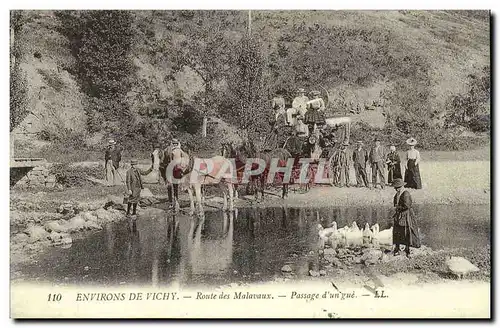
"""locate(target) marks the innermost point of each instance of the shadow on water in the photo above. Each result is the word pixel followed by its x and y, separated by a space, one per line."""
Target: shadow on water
pixel 250 244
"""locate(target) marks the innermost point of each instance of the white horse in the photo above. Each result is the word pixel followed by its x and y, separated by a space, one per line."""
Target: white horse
pixel 198 172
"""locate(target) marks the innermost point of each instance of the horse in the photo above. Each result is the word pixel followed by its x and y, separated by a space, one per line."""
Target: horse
pixel 198 172
pixel 249 150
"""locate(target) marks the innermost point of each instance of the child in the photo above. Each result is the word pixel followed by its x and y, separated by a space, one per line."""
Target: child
pixel 134 186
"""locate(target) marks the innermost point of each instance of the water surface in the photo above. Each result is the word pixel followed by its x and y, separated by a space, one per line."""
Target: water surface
pixel 251 244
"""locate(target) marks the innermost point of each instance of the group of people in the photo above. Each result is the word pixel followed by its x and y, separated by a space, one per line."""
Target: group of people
pixel 133 180
pixel 304 114
pixel 379 160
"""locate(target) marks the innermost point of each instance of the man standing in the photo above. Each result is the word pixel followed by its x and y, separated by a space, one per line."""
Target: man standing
pixel 134 186
pixel 112 159
pixel 341 167
pixel 181 159
pixel 359 158
pixel 377 160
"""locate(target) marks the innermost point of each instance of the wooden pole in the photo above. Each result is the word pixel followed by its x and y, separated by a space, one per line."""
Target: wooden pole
pixel 249 22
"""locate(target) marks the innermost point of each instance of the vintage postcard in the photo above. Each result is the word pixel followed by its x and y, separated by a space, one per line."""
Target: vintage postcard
pixel 250 164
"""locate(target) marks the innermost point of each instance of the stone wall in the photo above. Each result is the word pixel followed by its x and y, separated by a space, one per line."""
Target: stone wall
pixel 32 177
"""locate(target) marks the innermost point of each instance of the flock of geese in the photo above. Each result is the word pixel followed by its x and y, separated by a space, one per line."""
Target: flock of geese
pixel 457 265
pixel 353 233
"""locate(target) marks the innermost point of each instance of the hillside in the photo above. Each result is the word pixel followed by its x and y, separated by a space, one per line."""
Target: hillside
pixel 395 62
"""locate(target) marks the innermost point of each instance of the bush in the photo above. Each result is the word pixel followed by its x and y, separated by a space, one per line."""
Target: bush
pixel 76 176
pixel 480 123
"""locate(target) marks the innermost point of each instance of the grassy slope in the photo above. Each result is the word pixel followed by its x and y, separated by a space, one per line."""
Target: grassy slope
pixel 454 44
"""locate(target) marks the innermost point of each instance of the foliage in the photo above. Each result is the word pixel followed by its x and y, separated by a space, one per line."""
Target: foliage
pixel 465 109
pixel 18 82
pixel 76 176
pixel 247 104
pixel 101 41
pixel 18 97
pixel 203 46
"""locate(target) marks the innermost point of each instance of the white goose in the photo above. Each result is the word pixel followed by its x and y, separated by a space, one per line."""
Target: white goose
pixel 460 266
pixel 329 231
pixel 384 236
pixel 367 233
pixel 354 232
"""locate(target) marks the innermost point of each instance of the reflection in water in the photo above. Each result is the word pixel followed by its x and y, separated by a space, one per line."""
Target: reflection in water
pixel 249 244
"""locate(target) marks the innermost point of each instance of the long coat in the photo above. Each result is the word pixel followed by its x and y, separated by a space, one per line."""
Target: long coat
pixel 134 183
pixel 405 230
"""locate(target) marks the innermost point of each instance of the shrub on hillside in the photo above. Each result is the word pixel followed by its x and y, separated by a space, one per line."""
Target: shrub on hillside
pixel 480 123
pixel 76 176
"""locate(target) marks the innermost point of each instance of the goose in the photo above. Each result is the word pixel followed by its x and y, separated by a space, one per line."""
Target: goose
pixel 329 231
pixel 367 233
pixel 384 236
pixel 460 266
pixel 342 232
pixel 354 232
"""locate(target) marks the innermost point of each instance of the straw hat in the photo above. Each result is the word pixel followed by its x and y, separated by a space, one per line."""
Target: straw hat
pixel 396 183
pixel 359 142
pixel 411 141
pixel 301 90
pixel 111 142
pixel 315 92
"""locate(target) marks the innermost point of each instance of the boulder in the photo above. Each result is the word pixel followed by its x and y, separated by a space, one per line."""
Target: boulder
pixel 89 216
pixel 314 273
pixel 20 238
pixel 36 233
pixel 372 256
pixel 116 202
pixel 76 223
pixel 336 262
pixel 286 268
pixel 92 225
pixel 330 252
pixel 103 215
pixel 55 226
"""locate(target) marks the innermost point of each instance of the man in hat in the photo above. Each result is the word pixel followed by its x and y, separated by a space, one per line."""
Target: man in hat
pixel 181 158
pixel 112 158
pixel 359 158
pixel 315 114
pixel 134 186
pixel 340 167
pixel 377 160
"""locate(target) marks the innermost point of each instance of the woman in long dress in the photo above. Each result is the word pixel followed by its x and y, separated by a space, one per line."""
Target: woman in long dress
pixel 412 170
pixel 405 230
pixel 393 165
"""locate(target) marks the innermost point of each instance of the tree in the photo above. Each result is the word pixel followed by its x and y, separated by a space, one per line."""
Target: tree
pixel 248 106
pixel 199 41
pixel 18 81
pixel 104 64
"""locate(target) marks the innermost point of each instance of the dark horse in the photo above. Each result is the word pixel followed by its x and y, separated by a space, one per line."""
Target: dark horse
pixel 248 149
